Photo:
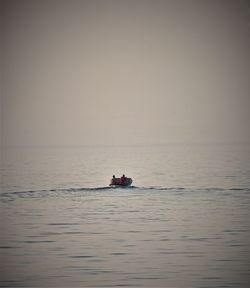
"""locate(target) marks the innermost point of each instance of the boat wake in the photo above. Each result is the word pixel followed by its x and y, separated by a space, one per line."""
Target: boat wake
pixel 8 196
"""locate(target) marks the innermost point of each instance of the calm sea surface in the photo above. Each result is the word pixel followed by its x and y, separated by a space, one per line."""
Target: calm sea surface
pixel 183 223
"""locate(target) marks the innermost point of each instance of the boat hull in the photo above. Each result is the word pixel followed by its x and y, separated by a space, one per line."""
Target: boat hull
pixel 117 182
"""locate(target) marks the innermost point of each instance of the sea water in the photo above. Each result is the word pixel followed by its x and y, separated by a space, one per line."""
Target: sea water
pixel 183 223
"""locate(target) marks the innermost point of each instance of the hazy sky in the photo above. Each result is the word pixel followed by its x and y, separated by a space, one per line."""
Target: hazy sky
pixel 125 71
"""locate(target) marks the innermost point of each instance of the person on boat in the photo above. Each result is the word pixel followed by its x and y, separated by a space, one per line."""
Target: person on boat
pixel 123 179
pixel 113 180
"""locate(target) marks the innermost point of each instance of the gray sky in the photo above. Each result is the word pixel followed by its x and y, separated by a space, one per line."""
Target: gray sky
pixel 125 71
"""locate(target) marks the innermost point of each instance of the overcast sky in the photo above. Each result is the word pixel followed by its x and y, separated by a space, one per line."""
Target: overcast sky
pixel 125 71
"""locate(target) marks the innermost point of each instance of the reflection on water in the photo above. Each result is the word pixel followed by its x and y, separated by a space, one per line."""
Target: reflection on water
pixel 147 235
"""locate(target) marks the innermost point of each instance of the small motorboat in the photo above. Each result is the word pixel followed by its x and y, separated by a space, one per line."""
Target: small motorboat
pixel 116 182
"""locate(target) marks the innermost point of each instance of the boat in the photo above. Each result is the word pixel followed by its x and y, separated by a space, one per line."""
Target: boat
pixel 117 182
